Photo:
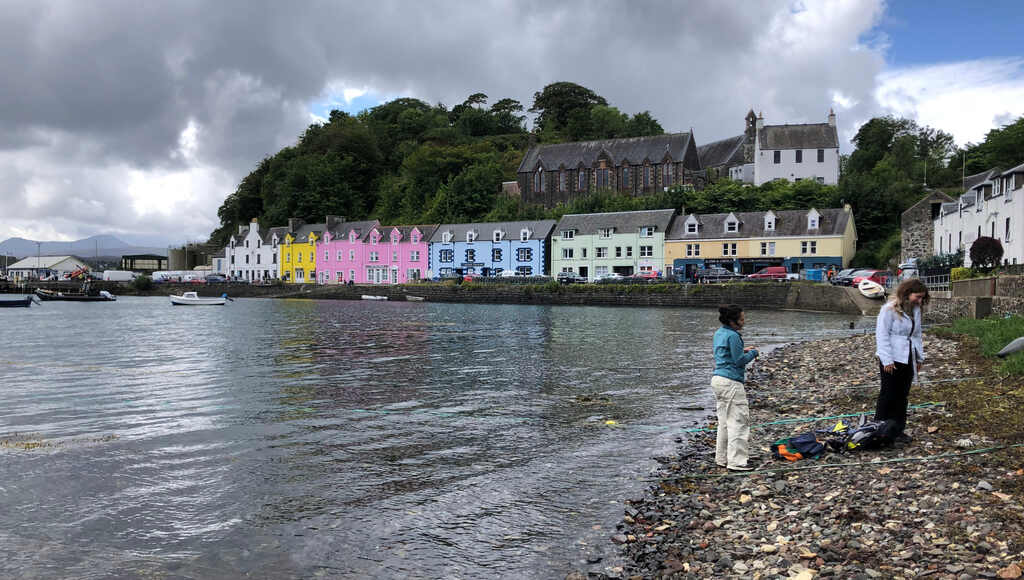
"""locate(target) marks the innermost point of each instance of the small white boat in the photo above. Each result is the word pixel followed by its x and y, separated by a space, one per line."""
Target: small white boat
pixel 374 297
pixel 871 289
pixel 412 298
pixel 193 299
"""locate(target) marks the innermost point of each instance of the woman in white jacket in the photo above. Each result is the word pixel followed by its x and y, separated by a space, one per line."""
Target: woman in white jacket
pixel 900 352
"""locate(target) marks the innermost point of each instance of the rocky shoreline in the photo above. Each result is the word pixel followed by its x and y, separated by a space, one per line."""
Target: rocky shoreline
pixel 946 505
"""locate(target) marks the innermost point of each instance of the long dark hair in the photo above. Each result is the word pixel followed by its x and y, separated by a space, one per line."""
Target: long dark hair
pixel 729 314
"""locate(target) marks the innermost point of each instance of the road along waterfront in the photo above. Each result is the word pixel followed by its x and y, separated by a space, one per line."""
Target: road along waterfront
pixel 286 438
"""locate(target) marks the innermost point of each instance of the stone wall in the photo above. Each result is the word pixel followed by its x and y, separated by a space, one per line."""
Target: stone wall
pixel 918 229
pixel 1010 286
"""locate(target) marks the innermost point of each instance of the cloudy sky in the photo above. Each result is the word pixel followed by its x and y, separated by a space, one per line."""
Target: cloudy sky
pixel 136 118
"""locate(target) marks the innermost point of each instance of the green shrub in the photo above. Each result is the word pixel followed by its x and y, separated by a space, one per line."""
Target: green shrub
pixel 993 334
pixel 142 283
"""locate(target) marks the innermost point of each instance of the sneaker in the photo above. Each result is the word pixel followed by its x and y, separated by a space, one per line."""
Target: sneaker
pixel 742 468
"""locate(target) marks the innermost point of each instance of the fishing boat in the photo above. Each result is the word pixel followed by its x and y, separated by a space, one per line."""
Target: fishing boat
pixel 871 289
pixel 194 299
pixel 17 302
pixel 83 296
pixel 373 297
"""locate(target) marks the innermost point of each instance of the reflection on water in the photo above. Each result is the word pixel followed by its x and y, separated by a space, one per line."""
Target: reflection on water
pixel 350 439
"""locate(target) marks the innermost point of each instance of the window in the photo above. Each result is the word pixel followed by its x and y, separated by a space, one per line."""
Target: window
pixel 470 237
pixel 524 254
pixel 374 256
pixel 582 180
pixel 568 234
pixel 395 238
pixel 1007 232
pixel 646 251
pixel 446 256
pixel 524 270
pixel 949 236
pixel 537 181
pixel 497 236
pixel 327 255
pixel 821 155
pixel 496 255
pixel 340 255
pixel 298 257
pixel 561 180
pixel 257 258
pixel 666 174
pixel 259 243
pixel 339 276
pixel 767 248
pixel 414 256
pixel 820 180
pixel 312 256
pixel 692 249
pixel 808 247
pixel 629 251
pixel 625 177
pixel 351 274
pixel 812 223
pixel 604 233
pixel 524 235
pixel 602 178
pixel 446 237
pixel 583 252
pixel 247 243
pixel 601 252
pixel 394 256
pixel 273 258
pixel 778 157
pixel 647 176
pixel 691 228
pixel 543 181
pixel 769 224
pixel 470 255
pixel 287 258
pixel 567 253
pixel 960 239
pixel 731 226
pixel 993 234
pixel 415 238
pixel 799 155
pixel 618 251
pixel 729 249
pixel 647 231
pixel 412 274
pixel 373 239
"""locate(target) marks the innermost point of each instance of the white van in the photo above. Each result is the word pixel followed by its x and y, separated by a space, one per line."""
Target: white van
pixel 118 276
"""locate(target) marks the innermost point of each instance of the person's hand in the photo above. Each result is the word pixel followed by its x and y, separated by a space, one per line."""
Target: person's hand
pixel 748 348
pixel 889 368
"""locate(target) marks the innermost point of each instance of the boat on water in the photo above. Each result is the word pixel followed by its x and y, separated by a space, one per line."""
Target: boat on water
pixel 83 296
pixel 373 297
pixel 17 302
pixel 194 299
pixel 412 298
pixel 871 289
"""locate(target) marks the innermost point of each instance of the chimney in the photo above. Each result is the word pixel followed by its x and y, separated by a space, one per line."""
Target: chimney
pixel 241 228
pixel 333 221
pixel 831 117
pixel 294 224
pixel 760 120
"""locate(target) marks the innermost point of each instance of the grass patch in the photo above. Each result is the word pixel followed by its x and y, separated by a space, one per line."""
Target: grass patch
pixel 992 335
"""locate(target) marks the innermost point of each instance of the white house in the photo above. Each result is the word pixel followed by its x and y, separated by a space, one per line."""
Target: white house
pixel 251 254
pixel 795 152
pixel 34 267
pixel 992 205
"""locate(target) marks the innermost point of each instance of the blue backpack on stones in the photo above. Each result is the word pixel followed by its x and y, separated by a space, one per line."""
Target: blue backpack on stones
pixel 803 446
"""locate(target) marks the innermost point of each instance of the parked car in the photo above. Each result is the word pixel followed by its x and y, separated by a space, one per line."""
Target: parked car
pixel 570 278
pixel 770 273
pixel 716 274
pixel 877 276
pixel 215 279
pixel 907 269
pixel 843 277
pixel 471 276
pixel 608 278
pixel 647 276
pixel 507 274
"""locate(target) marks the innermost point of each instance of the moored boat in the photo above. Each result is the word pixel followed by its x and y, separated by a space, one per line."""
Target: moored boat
pixel 412 298
pixel 59 295
pixel 16 303
pixel 373 297
pixel 871 289
pixel 194 299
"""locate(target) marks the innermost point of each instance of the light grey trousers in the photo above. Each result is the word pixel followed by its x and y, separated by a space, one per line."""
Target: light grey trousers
pixel 733 422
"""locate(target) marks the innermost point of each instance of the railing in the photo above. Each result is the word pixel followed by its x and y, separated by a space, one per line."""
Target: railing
pixel 937 283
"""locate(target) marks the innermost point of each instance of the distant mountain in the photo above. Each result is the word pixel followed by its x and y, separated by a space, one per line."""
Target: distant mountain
pixel 86 248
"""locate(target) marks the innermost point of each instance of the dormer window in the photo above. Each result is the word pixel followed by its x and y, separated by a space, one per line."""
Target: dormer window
pixel 605 232
pixel 524 235
pixel 769 222
pixel 232 244
pixel 470 236
pixel 446 237
pixel 646 231
pixel 373 239
pixel 691 228
pixel 813 219
pixel 568 234
pixel 274 241
pixel 394 238
pixel 812 223
pixel 731 226
pixel 414 238
pixel 497 235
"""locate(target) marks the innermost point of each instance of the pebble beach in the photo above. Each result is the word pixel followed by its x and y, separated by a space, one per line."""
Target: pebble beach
pixel 947 504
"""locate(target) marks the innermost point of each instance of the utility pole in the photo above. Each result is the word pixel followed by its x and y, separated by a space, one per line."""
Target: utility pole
pixel 38 261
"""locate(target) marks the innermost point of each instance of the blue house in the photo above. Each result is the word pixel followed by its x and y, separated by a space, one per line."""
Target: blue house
pixel 491 248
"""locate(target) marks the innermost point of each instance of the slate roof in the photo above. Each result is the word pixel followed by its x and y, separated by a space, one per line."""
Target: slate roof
pixel 540 229
pixel 809 136
pixel 268 237
pixel 426 230
pixel 623 222
pixel 301 235
pixel 342 229
pixel 931 196
pixel 1018 169
pixel 972 181
pixel 787 223
pixel 725 152
pixel 633 149
pixel 948 208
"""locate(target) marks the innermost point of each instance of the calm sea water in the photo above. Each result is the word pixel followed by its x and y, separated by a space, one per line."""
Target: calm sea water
pixel 287 439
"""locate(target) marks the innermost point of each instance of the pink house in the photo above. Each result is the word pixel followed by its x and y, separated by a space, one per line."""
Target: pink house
pixel 340 253
pixel 369 253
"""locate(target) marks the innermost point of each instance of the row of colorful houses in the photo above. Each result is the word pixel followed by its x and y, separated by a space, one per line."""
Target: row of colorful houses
pixel 664 241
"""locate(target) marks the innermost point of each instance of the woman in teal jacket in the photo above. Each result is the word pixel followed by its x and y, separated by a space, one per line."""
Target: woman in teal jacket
pixel 731 356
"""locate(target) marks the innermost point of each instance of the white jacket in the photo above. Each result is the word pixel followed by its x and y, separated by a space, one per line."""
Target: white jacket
pixel 894 338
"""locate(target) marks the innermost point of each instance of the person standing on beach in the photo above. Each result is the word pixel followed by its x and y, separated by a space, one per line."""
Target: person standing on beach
pixel 731 357
pixel 900 352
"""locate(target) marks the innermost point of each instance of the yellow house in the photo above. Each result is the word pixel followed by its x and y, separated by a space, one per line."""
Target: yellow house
pixel 298 254
pixel 745 242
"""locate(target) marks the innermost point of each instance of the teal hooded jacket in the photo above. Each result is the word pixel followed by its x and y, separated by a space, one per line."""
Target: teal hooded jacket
pixel 730 359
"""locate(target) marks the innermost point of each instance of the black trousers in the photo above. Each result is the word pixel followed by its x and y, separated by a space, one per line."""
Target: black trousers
pixel 892 399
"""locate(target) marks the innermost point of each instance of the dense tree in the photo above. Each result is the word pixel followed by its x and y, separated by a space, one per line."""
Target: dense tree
pixel 986 252
pixel 557 101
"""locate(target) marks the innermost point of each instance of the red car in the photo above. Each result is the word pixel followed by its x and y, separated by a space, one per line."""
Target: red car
pixel 649 275
pixel 877 276
pixel 769 273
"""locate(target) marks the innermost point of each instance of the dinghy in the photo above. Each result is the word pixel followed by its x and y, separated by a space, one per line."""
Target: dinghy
pixel 373 297
pixel 193 299
pixel 871 289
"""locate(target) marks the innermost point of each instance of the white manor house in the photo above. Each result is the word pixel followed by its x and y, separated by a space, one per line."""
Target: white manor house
pixel 992 205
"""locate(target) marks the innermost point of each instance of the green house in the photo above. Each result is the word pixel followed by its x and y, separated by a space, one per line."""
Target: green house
pixel 626 243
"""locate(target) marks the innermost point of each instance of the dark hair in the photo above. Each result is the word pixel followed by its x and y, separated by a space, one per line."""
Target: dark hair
pixel 729 313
